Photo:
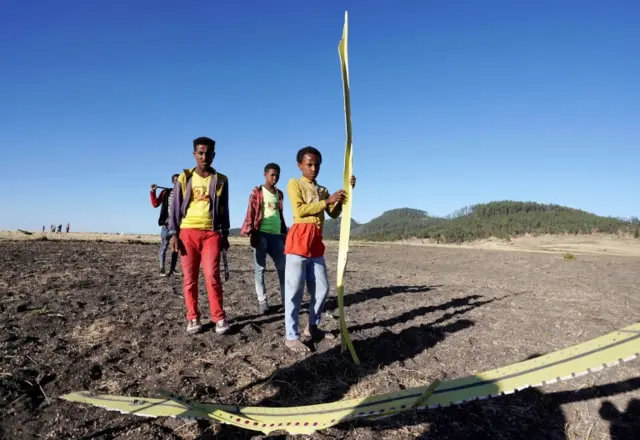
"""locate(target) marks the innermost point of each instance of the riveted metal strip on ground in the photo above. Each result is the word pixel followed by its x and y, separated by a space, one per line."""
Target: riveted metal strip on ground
pixel 591 356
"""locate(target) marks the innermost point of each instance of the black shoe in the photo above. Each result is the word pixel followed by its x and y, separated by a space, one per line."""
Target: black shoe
pixel 162 274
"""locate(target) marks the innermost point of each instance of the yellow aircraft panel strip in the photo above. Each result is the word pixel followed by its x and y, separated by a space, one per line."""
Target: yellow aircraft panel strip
pixel 608 350
pixel 345 222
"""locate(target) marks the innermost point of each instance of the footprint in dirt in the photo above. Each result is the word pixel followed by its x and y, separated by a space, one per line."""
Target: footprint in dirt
pixel 29 384
pixel 95 372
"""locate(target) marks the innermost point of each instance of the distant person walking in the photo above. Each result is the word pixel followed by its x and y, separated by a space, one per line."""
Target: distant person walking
pixel 264 224
pixel 164 200
pixel 199 229
pixel 42 228
pixel 68 227
pixel 60 229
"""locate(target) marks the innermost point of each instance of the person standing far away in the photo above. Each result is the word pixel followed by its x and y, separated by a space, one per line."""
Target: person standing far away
pixel 42 228
pixel 265 226
pixel 304 248
pixel 68 227
pixel 164 201
pixel 199 230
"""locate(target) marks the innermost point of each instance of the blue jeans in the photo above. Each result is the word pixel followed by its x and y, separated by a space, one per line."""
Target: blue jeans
pixel 314 272
pixel 164 245
pixel 272 245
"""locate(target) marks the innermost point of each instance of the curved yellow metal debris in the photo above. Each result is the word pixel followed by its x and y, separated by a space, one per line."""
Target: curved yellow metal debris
pixel 608 350
pixel 345 222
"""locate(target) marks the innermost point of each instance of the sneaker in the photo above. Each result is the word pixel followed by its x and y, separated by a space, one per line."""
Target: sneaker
pixel 162 274
pixel 222 327
pixel 193 326
pixel 264 307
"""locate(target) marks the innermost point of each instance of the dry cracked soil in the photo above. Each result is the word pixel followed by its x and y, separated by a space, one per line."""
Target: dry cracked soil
pixel 96 316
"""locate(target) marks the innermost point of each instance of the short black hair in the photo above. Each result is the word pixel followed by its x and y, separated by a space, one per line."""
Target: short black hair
pixel 272 166
pixel 308 150
pixel 175 176
pixel 203 140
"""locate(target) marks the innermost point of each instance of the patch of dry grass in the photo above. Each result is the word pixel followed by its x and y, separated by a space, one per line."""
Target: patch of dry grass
pixel 585 244
pixel 98 331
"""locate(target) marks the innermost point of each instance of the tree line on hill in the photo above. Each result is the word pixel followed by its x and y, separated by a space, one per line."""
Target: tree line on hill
pixel 501 219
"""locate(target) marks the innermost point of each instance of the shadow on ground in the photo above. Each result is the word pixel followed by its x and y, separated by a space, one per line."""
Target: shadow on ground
pixel 529 414
pixel 331 304
pixel 328 376
pixel 623 425
pixel 373 294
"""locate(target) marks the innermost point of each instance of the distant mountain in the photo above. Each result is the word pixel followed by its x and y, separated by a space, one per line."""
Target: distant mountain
pixel 331 229
pixel 395 224
pixel 506 219
pixel 502 219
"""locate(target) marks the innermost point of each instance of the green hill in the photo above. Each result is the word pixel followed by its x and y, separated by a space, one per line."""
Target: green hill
pixel 331 229
pixel 502 219
pixel 395 224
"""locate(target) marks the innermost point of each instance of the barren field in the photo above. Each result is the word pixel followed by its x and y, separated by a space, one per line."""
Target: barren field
pixel 86 315
pixel 592 244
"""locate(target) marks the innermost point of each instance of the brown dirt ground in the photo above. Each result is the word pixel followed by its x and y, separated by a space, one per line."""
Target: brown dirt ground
pixel 82 315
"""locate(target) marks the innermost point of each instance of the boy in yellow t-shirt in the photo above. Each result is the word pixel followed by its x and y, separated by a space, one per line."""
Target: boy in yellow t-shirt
pixel 199 230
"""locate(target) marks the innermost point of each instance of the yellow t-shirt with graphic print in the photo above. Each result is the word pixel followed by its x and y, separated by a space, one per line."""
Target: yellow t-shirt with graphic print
pixel 198 214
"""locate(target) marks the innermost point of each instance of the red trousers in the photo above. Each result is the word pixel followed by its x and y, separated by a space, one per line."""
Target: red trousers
pixel 204 247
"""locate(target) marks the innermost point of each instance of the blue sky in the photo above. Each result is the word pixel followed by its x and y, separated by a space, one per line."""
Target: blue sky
pixel 453 103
